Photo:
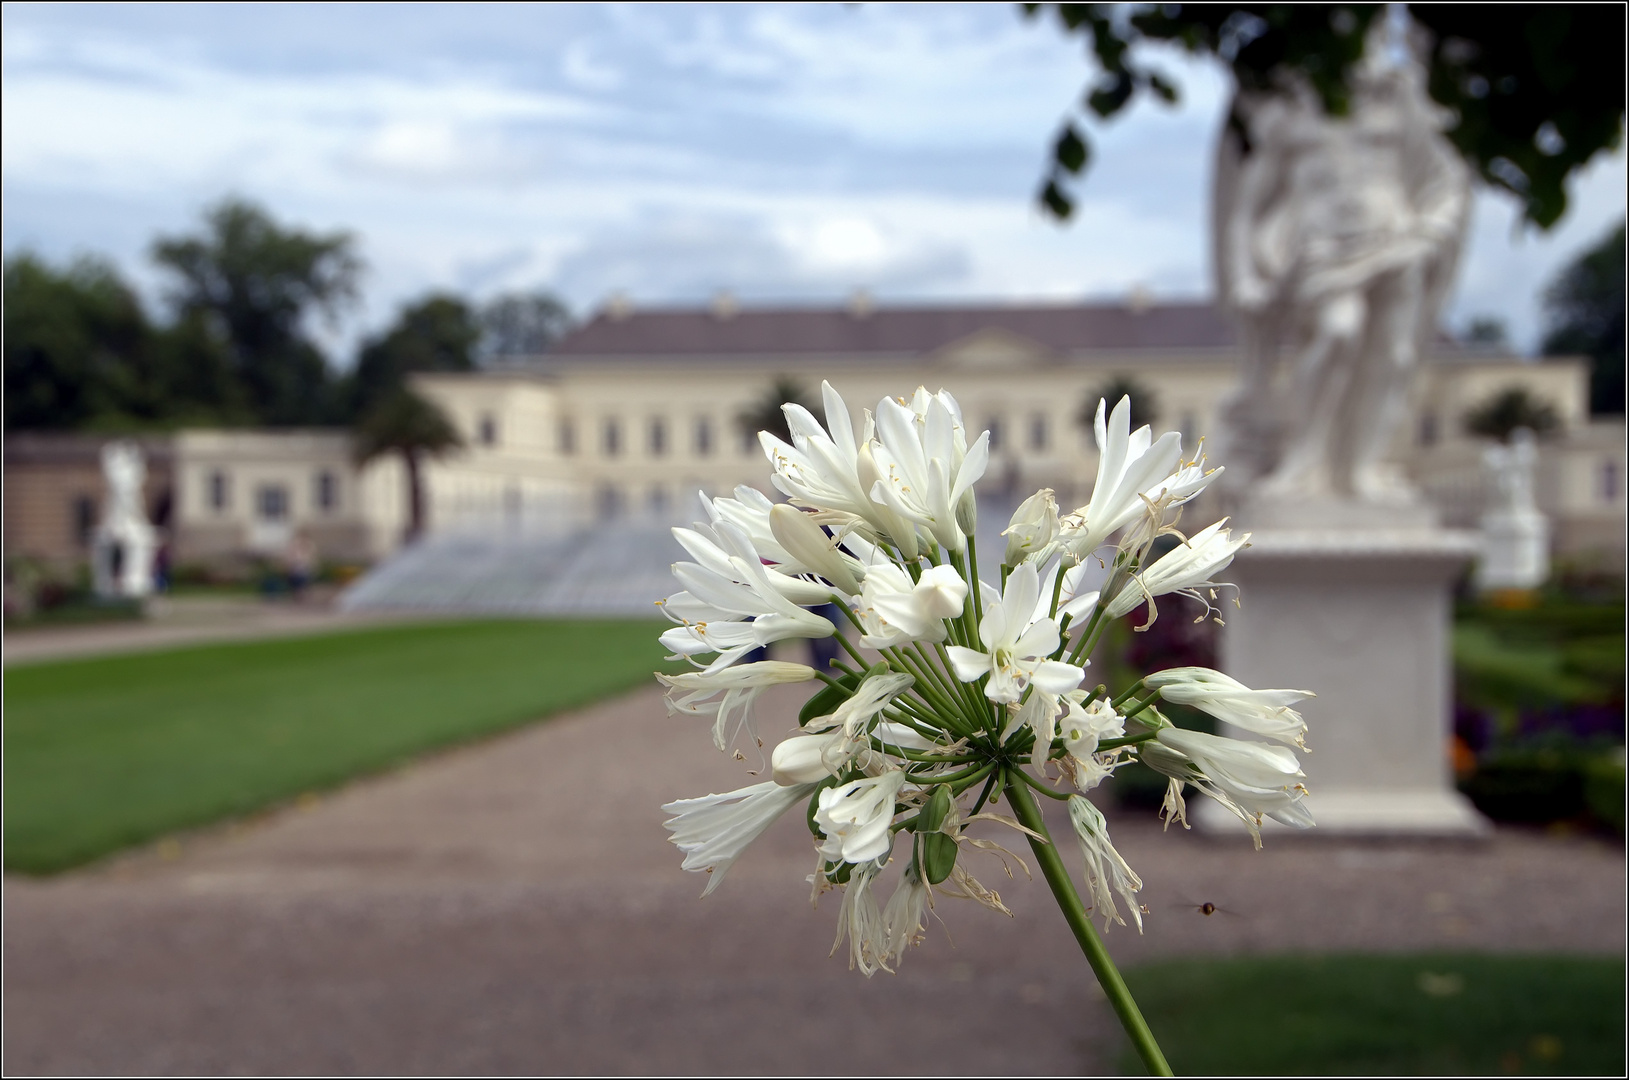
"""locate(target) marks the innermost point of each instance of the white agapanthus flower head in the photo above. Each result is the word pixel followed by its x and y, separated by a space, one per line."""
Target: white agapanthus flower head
pixel 951 691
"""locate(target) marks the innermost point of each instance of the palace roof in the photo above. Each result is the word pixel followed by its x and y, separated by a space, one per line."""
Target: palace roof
pixel 725 332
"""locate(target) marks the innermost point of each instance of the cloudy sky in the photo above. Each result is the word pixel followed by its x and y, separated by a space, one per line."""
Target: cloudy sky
pixel 782 152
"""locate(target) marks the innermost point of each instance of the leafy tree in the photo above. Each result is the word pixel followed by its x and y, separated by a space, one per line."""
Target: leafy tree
pixel 192 379
pixel 1500 415
pixel 1585 309
pixel 1535 91
pixel 1144 404
pixel 522 324
pixel 765 413
pixel 72 343
pixel 259 283
pixel 438 333
pixel 406 424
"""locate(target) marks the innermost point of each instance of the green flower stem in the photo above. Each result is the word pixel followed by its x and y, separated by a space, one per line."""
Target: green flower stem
pixel 1063 635
pixel 1129 740
pixel 918 755
pixel 989 786
pixel 914 719
pixel 834 684
pixel 968 623
pixel 1057 588
pixel 933 671
pixel 842 639
pixel 1087 639
pixel 1127 693
pixel 924 688
pixel 967 691
pixel 1061 796
pixel 1074 913
pixel 1139 706
pixel 963 779
pixel 973 582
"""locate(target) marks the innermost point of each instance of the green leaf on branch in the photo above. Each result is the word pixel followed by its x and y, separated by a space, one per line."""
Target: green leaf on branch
pixel 1071 151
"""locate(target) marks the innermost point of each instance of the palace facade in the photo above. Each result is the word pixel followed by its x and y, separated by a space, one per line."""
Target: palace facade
pixel 637 410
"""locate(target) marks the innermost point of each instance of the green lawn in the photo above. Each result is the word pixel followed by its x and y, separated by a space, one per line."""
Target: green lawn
pixel 1388 1015
pixel 104 753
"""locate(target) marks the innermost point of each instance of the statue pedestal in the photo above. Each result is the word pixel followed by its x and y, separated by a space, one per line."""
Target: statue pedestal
pixel 1361 617
pixel 1515 550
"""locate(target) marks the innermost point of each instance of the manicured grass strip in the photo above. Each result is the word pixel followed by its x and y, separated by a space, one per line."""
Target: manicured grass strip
pixel 1419 1015
pixel 101 754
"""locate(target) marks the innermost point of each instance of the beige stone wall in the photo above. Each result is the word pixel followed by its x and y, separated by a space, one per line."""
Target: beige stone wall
pixel 1033 408
pixel 53 493
pixel 249 492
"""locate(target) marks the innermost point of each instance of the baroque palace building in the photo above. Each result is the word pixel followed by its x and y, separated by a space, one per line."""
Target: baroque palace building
pixel 637 410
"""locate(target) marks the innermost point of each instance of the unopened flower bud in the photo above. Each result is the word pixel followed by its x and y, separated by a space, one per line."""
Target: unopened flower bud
pixel 808 544
pixel 1033 527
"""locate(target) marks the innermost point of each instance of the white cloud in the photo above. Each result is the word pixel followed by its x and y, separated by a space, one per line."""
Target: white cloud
pixel 786 152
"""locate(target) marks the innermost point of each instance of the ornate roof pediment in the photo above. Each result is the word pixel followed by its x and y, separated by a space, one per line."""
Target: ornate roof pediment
pixel 993 348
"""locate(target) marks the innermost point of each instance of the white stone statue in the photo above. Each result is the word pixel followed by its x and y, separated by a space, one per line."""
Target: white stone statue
pixel 124 544
pixel 1335 243
pixel 1515 534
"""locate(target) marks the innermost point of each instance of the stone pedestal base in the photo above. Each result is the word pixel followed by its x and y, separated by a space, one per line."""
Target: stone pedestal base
pixel 1361 618
pixel 1426 813
pixel 1515 551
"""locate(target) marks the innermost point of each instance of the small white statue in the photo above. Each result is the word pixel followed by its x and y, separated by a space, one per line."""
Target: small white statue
pixel 124 544
pixel 1515 533
pixel 1335 242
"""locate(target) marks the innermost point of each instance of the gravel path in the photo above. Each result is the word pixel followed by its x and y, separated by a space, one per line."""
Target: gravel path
pixel 513 907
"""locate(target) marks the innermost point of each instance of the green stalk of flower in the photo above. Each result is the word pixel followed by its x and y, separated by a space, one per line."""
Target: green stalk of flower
pixel 1074 913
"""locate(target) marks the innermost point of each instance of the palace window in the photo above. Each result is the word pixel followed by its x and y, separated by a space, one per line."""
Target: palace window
pixel 486 430
pixel 566 437
pixel 993 426
pixel 220 492
pixel 658 436
pixel 327 492
pixel 84 511
pixel 1037 431
pixel 271 502
pixel 613 437
pixel 1611 482
pixel 704 436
